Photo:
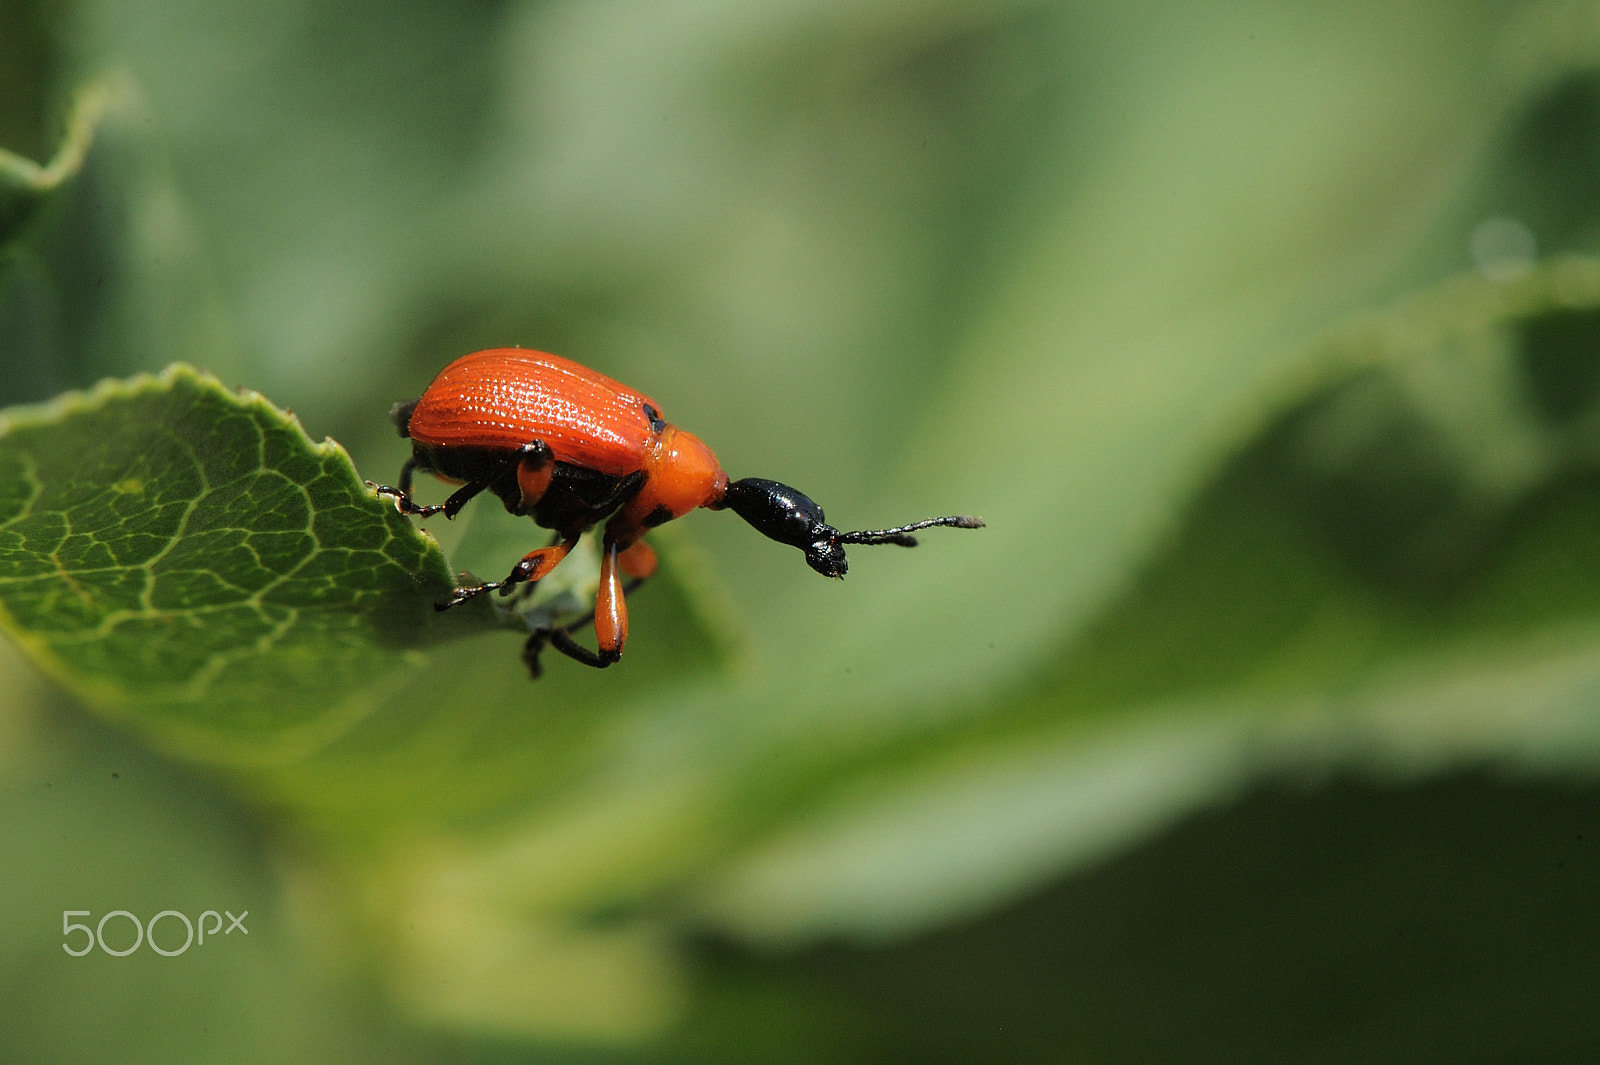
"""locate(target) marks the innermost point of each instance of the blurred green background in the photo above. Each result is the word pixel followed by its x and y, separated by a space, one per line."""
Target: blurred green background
pixel 1262 723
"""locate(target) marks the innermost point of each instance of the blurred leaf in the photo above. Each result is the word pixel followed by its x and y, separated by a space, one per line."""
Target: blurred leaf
pixel 112 275
pixel 1400 571
pixel 1328 921
pixel 25 184
pixel 101 824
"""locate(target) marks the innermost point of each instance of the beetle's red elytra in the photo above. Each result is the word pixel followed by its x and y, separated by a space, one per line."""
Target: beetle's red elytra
pixel 570 448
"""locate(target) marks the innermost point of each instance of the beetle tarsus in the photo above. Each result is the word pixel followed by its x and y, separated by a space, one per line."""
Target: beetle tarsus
pixel 466 594
pixel 403 502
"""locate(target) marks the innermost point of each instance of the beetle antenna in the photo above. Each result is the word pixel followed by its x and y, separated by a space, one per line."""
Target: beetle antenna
pixel 900 533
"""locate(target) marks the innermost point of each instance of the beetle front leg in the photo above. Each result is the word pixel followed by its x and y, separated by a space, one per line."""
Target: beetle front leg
pixel 610 608
pixel 610 622
pixel 561 639
pixel 577 652
pixel 560 636
pixel 639 562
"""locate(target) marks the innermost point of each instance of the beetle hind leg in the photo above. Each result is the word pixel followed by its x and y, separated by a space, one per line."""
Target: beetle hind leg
pixel 533 464
pixel 402 494
pixel 451 507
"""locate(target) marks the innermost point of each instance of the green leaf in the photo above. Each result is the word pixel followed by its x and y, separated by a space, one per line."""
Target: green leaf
pixel 25 184
pixel 188 558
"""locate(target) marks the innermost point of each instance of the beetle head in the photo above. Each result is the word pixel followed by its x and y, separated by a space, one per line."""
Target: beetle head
pixel 790 517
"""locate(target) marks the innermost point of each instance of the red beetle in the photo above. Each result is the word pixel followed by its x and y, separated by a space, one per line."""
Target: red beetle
pixel 568 446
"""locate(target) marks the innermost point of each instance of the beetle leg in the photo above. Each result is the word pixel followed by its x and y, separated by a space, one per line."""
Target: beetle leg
pixel 536 468
pixel 402 494
pixel 534 465
pixel 610 607
pixel 451 506
pixel 576 651
pixel 463 594
pixel 460 496
pixel 560 637
pixel 404 504
pixel 626 489
pixel 638 562
pixel 537 640
pixel 610 620
pixel 537 564
pixel 610 617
